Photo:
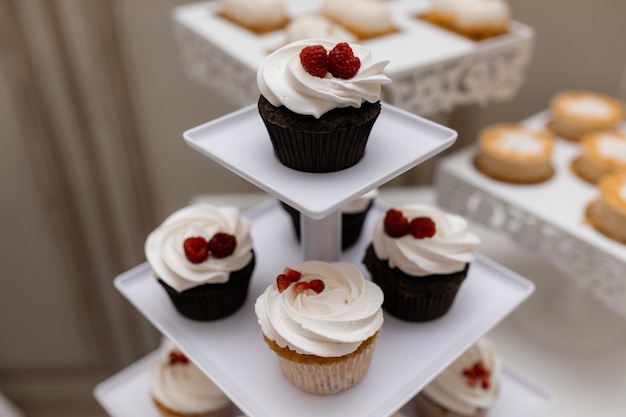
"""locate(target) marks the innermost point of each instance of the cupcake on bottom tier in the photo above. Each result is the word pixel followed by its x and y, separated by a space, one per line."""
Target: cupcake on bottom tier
pixel 202 256
pixel 601 153
pixel 179 389
pixel 575 113
pixel 467 388
pixel 319 102
pixel 515 154
pixel 321 319
pixel 420 256
pixel 353 217
pixel 608 213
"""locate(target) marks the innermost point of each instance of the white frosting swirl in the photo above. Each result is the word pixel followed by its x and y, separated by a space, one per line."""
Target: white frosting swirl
pixel 332 323
pixel 166 255
pixel 182 387
pixel 283 81
pixel 452 390
pixel 448 251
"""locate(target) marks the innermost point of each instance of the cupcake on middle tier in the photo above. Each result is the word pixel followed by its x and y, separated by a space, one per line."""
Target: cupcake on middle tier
pixel 322 320
pixel 601 153
pixel 420 256
pixel 319 101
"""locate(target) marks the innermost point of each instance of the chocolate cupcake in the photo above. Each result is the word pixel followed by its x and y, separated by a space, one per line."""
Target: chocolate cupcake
pixel 419 256
pixel 319 101
pixel 202 256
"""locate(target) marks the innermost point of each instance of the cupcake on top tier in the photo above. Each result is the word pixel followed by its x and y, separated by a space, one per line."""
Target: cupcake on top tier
pixel 474 19
pixel 319 101
pixel 322 320
pixel 179 389
pixel 467 388
pixel 202 255
pixel 420 256
pixel 364 18
pixel 260 16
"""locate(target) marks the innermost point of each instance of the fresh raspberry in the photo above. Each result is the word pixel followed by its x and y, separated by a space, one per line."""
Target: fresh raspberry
pixel 177 357
pixel 283 282
pixel 314 60
pixel 196 249
pixel 422 227
pixel 222 245
pixel 396 225
pixel 342 63
pixel 317 285
pixel 292 274
pixel 301 286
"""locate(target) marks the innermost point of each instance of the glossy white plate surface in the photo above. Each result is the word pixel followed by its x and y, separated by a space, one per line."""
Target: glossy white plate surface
pixel 399 141
pixel 408 355
pixel 125 394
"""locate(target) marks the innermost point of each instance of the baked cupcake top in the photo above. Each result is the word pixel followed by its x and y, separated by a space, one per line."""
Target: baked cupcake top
pixel 606 147
pixel 613 189
pixel 283 80
pixel 478 13
pixel 313 26
pixel 587 107
pixel 199 244
pixel 368 18
pixel 320 308
pixel 180 386
pixel 517 141
pixel 422 240
pixel 471 382
pixel 256 14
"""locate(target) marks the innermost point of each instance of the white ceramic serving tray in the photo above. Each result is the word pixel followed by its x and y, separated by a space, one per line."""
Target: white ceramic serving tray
pixel 415 44
pixel 408 355
pixel 126 394
pixel 399 141
pixel 548 217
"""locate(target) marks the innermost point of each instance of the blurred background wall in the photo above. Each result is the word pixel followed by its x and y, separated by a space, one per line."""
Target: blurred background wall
pixel 93 103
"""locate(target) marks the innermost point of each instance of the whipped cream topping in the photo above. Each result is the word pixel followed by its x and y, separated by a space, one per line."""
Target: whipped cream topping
pixel 182 387
pixel 332 323
pixel 612 146
pixel 449 250
pixel 166 255
pixel 283 81
pixel 256 13
pixel 588 106
pixel 520 143
pixel 451 388
pixel 318 27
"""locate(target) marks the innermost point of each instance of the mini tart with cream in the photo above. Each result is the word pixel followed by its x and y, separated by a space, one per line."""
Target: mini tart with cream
pixel 608 213
pixel 467 388
pixel 259 16
pixel 515 154
pixel 602 152
pixel 322 320
pixel 473 19
pixel 575 113
pixel 366 19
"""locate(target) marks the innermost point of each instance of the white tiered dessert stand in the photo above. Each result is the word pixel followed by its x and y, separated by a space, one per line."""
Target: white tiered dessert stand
pixel 232 352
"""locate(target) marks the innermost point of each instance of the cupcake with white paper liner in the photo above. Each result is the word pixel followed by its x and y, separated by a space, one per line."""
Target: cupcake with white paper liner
pixel 178 388
pixel 202 255
pixel 419 256
pixel 319 101
pixel 469 387
pixel 322 320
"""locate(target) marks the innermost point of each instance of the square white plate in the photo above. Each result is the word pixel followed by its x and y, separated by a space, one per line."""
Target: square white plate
pixel 408 355
pixel 399 141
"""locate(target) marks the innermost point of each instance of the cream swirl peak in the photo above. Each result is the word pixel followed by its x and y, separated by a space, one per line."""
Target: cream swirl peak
pixel 164 247
pixel 448 251
pixel 462 390
pixel 181 386
pixel 283 81
pixel 331 323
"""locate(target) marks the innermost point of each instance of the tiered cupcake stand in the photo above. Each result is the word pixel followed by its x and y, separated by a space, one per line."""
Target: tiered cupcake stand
pixel 432 69
pixel 549 219
pixel 232 352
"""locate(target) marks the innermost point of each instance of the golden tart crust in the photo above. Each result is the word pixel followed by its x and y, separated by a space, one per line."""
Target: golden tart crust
pixel 575 113
pixel 602 152
pixel 608 213
pixel 515 154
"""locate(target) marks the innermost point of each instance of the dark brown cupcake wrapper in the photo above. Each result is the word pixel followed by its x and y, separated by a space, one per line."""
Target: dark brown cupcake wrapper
pixel 411 298
pixel 213 301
